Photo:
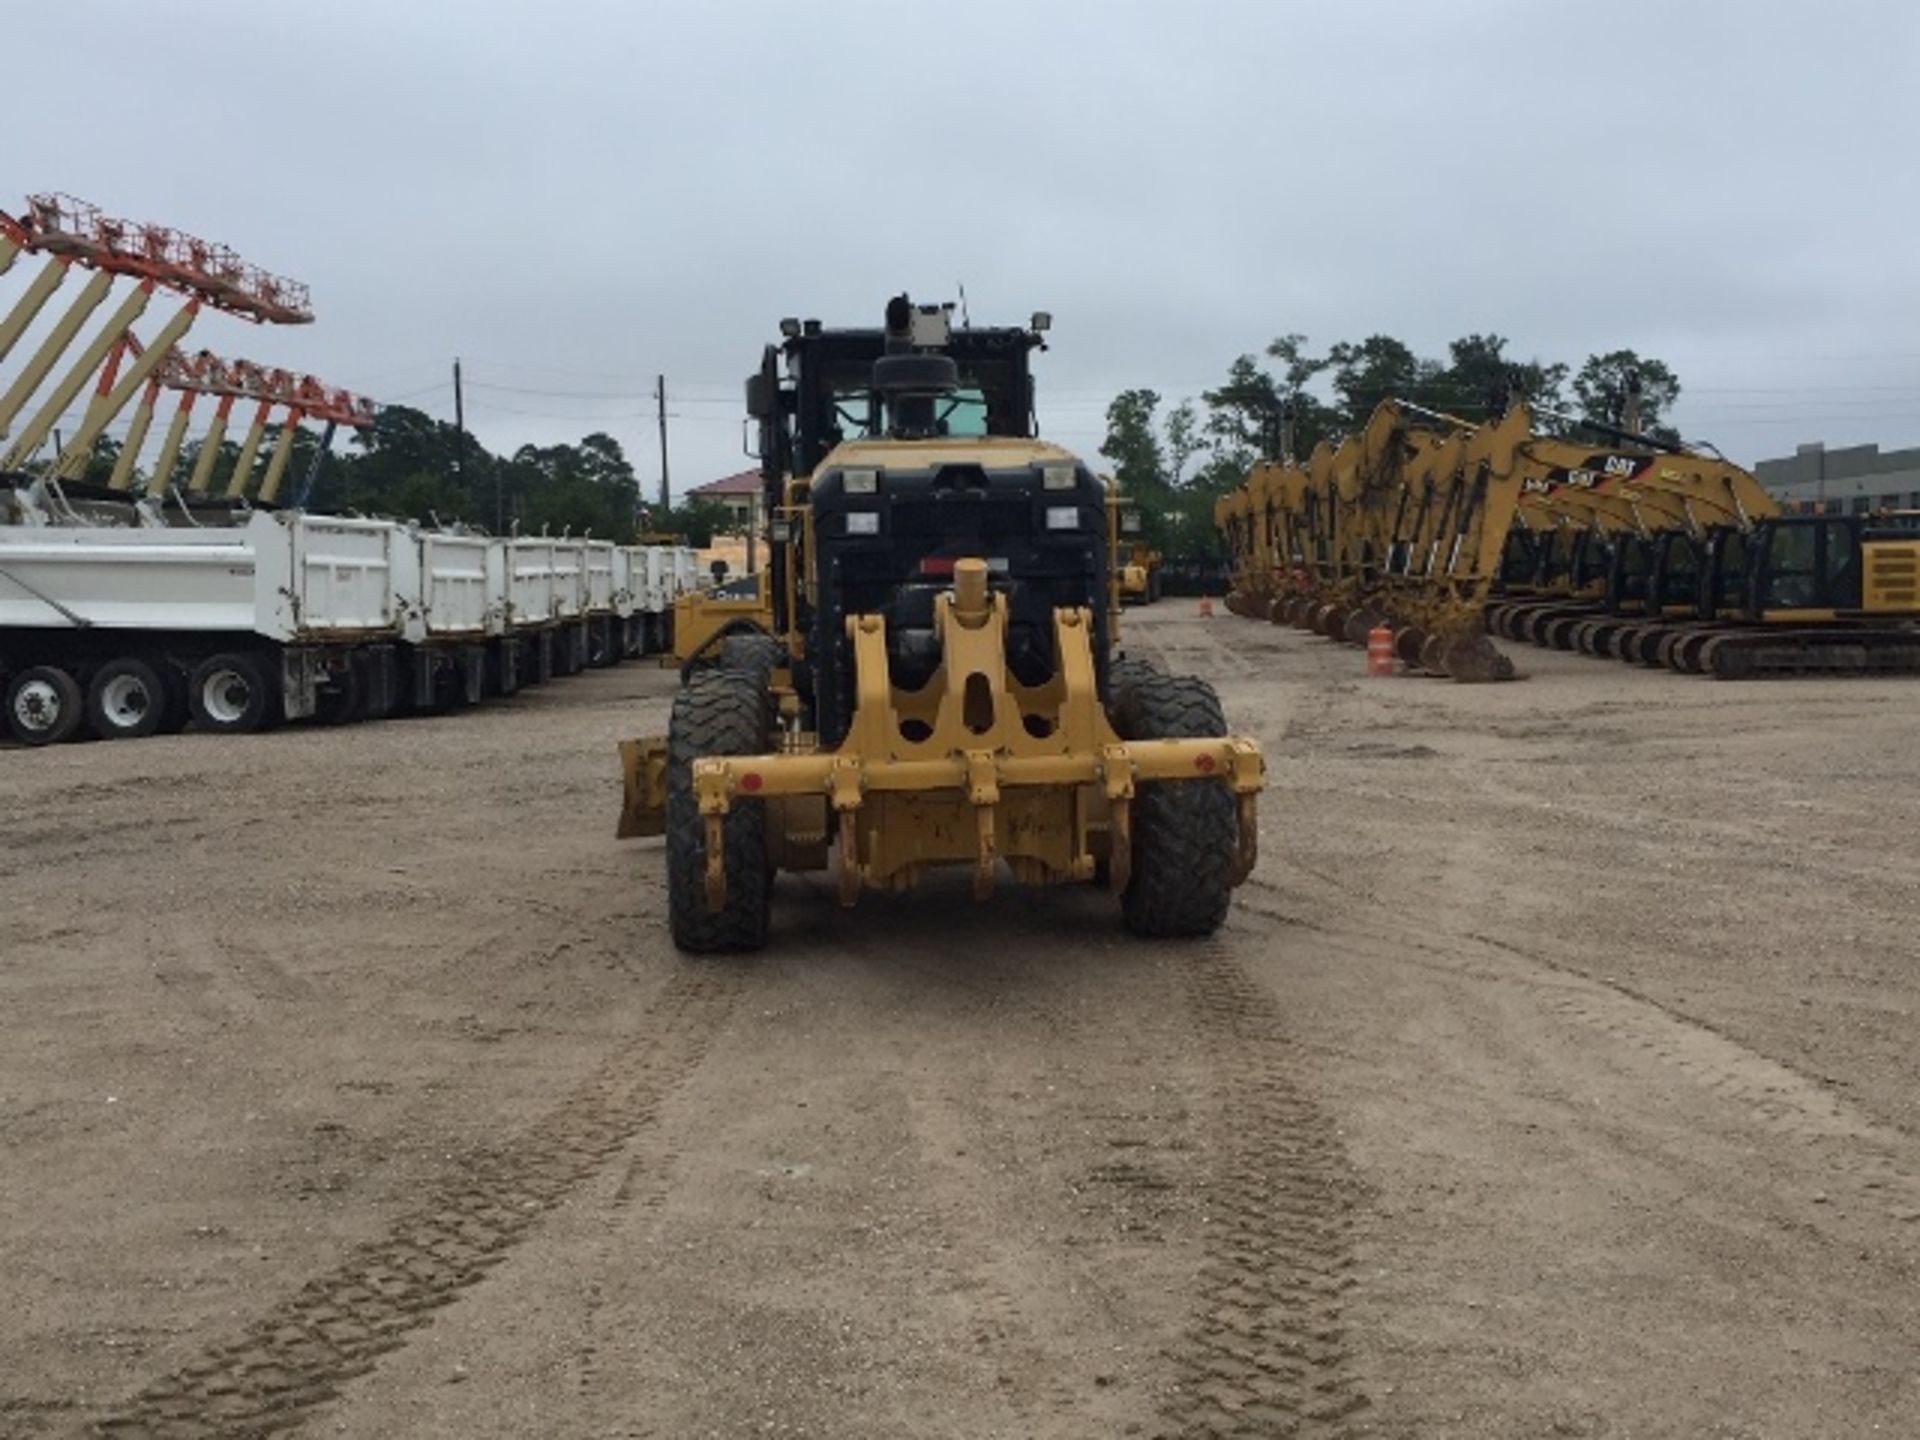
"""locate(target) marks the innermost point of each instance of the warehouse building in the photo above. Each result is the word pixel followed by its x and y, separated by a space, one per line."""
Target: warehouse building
pixel 1852 480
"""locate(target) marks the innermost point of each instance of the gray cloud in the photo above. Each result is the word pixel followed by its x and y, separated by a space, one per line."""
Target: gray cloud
pixel 576 196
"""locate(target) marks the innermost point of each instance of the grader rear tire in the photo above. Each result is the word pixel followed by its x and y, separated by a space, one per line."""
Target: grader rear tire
pixel 717 713
pixel 756 655
pixel 1185 833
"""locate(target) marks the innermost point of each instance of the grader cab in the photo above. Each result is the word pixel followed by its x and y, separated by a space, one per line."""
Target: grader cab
pixel 937 686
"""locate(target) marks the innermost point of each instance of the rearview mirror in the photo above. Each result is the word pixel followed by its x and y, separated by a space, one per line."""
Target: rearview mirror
pixel 759 401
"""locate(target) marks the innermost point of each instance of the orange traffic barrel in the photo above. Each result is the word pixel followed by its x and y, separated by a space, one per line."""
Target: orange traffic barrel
pixel 1380 651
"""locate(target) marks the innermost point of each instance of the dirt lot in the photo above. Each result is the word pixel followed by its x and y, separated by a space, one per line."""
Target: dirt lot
pixel 1553 1077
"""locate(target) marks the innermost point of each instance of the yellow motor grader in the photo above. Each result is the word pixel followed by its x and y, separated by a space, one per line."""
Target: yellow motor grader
pixel 937 685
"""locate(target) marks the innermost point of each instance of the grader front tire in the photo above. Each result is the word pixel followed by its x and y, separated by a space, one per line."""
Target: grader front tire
pixel 718 713
pixel 1185 833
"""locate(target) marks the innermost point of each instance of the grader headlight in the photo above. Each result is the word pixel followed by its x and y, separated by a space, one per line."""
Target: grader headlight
pixel 1058 477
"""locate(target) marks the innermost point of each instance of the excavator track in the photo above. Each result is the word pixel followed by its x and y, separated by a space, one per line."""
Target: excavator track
pixel 1760 654
pixel 1724 651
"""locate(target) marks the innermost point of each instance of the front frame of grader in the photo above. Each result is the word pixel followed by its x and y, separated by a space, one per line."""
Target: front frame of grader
pixel 978 785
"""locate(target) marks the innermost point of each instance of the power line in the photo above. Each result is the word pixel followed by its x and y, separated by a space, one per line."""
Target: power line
pixel 555 394
pixel 497 408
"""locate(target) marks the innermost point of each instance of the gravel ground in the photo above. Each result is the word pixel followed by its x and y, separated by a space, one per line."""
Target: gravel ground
pixel 1552 1077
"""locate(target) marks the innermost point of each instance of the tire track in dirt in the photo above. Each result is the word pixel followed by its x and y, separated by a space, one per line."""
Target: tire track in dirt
pixel 1868 1161
pixel 297 1356
pixel 1266 1354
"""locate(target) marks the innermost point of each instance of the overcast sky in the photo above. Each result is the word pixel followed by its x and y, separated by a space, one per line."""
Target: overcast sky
pixel 576 196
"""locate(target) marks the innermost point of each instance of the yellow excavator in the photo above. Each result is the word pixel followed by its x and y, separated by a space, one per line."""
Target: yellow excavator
pixel 1401 525
pixel 1678 558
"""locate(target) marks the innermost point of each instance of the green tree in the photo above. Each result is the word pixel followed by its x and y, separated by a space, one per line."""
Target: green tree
pixel 1482 380
pixel 1375 369
pixel 698 519
pixel 1183 441
pixel 1603 385
pixel 581 489
pixel 1244 413
pixel 1305 420
pixel 1133 442
pixel 101 460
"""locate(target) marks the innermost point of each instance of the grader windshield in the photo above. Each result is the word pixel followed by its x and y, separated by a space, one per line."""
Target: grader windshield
pixel 815 391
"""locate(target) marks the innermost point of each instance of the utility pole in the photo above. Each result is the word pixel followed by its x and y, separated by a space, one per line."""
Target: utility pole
pixel 460 442
pixel 660 400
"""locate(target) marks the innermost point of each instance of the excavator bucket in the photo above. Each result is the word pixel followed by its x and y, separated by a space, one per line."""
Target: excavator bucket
pixel 1470 657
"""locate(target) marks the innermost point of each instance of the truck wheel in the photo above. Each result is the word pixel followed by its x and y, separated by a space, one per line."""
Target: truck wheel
pixel 127 700
pixel 44 705
pixel 1185 834
pixel 719 713
pixel 343 700
pixel 600 648
pixel 230 694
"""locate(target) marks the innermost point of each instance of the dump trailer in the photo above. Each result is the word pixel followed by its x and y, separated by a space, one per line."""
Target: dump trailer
pixel 126 630
pixel 122 617
pixel 935 683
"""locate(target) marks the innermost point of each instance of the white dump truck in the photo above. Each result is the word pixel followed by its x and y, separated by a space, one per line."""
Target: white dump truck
pixel 246 619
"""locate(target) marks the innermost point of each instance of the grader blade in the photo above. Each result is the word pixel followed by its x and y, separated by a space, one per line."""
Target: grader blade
pixel 643 769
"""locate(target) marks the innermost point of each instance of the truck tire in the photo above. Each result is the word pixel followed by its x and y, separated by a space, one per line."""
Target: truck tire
pixel 231 694
pixel 44 706
pixel 718 713
pixel 344 699
pixel 1185 833
pixel 127 700
pixel 601 650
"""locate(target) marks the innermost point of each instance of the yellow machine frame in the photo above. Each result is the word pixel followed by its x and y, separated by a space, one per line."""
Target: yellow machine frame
pixel 978 786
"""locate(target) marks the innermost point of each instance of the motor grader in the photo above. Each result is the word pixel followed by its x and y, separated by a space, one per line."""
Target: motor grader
pixel 937 685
